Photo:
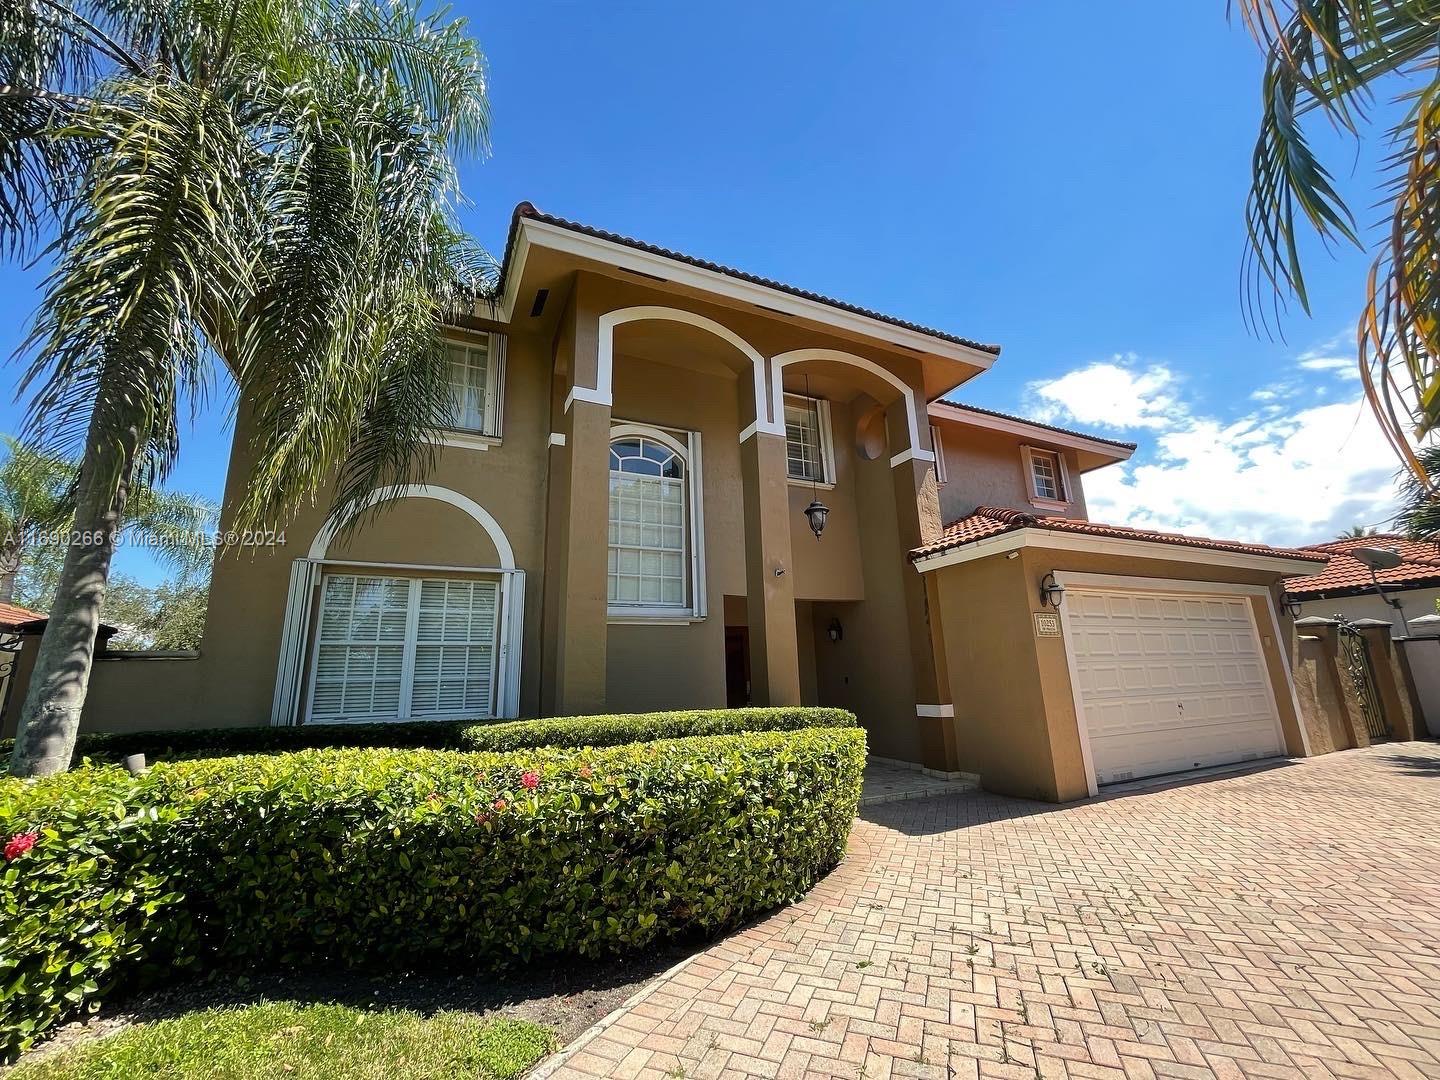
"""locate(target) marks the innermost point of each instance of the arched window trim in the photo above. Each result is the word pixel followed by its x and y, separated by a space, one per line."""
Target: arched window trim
pixel 687 445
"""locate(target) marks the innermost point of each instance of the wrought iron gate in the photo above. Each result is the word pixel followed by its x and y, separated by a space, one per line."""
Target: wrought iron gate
pixel 1362 677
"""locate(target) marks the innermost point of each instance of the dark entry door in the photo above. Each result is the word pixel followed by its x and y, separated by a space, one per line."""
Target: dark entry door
pixel 737 667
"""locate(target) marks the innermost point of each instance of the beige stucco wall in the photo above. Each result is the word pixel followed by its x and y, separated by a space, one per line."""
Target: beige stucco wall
pixel 986 468
pixel 694 384
pixel 1015 714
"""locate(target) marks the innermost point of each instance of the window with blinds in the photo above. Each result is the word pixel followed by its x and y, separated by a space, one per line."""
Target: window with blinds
pixel 392 648
pixel 804 451
pixel 647 557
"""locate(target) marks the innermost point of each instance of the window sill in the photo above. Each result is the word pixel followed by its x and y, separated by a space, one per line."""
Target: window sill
pixel 651 617
pixel 1050 504
pixel 469 440
pixel 822 485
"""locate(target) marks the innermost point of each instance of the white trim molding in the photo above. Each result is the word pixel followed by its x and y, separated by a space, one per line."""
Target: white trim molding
pixel 320 546
pixel 1081 582
pixel 779 363
pixel 1037 536
pixel 557 438
pixel 602 392
pixel 934 711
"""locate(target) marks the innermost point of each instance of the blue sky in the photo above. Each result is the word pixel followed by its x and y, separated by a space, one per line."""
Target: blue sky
pixel 1067 180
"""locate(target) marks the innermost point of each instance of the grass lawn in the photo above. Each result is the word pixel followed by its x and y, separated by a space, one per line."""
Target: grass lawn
pixel 304 1042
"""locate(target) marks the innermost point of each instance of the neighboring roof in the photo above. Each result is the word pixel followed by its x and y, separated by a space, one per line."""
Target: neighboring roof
pixel 990 521
pixel 528 211
pixel 13 617
pixel 942 404
pixel 1348 576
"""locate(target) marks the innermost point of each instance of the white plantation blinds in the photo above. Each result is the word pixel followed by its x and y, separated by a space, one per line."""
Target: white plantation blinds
pixel 647 524
pixel 454 648
pixel 804 454
pixel 361 650
pixel 396 648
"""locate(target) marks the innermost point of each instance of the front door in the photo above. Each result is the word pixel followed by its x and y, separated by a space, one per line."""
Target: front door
pixel 737 667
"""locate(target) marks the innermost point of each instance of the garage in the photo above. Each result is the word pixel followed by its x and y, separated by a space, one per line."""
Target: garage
pixel 1168 682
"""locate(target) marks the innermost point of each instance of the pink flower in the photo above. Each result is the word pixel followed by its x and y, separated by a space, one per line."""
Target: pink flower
pixel 499 804
pixel 586 771
pixel 19 844
pixel 530 779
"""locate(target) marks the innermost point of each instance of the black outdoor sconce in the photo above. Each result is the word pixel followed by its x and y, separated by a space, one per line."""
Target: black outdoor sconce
pixel 835 631
pixel 1051 591
pixel 816 513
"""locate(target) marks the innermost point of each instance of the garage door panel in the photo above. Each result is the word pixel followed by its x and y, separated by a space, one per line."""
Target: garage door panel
pixel 1168 683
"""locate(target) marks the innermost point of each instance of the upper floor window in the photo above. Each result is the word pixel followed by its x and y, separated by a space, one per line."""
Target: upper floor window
pixel 1047 476
pixel 808 454
pixel 477 378
pixel 654 533
pixel 939 448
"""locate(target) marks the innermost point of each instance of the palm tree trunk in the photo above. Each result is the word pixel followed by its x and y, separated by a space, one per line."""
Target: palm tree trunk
pixel 50 720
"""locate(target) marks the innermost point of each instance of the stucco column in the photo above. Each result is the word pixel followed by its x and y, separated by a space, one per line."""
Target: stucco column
pixel 573 669
pixel 917 516
pixel 769 583
pixel 1343 713
pixel 1390 675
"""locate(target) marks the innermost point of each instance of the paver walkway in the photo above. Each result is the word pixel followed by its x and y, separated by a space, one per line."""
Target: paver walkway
pixel 1280 923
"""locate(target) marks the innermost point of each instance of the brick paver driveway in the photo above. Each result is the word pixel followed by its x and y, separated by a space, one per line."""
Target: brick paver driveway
pixel 1280 923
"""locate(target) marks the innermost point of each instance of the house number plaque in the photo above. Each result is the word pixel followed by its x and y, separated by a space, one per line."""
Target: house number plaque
pixel 1047 624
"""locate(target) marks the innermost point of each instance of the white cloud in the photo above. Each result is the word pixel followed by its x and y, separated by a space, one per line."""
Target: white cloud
pixel 1344 366
pixel 1111 392
pixel 1296 469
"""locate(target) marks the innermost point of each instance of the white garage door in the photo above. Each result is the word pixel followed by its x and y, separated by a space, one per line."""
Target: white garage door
pixel 1169 682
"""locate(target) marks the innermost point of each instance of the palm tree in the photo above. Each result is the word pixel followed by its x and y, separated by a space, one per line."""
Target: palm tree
pixel 269 182
pixel 1358 532
pixel 1327 58
pixel 1419 516
pixel 37 497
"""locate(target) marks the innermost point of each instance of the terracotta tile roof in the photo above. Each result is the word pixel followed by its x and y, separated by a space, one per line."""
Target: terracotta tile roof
pixel 528 210
pixel 988 521
pixel 1348 576
pixel 13 616
pixel 1035 424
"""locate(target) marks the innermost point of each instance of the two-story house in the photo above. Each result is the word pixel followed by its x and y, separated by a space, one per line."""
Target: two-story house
pixel 618 522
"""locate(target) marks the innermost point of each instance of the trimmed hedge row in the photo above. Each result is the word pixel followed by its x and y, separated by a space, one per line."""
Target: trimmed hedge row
pixel 492 735
pixel 403 857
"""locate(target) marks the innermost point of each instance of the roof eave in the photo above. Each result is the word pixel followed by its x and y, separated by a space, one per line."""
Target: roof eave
pixel 1038 536
pixel 1111 452
pixel 527 231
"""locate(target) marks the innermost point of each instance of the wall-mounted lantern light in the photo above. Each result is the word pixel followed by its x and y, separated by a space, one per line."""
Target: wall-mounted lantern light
pixel 835 631
pixel 816 513
pixel 1052 593
pixel 1292 606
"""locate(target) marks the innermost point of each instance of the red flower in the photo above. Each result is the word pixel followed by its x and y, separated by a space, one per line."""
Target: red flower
pixel 530 779
pixel 481 817
pixel 19 844
pixel 586 771
pixel 499 804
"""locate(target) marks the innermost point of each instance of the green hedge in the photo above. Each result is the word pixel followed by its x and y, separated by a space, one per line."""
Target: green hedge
pixel 406 857
pixel 497 735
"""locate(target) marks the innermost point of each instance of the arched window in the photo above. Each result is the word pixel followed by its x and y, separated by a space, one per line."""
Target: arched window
pixel 652 531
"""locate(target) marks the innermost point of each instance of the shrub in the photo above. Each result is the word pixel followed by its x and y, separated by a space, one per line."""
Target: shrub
pixel 386 857
pixel 497 735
